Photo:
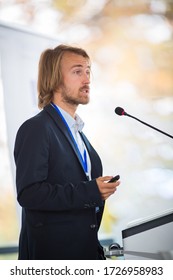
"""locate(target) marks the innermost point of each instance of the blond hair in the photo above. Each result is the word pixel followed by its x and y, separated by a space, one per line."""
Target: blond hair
pixel 49 72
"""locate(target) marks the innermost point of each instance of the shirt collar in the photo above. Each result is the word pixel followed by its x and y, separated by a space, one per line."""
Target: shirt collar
pixel 74 123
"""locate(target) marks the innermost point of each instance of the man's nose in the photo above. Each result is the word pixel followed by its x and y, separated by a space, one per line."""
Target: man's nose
pixel 86 78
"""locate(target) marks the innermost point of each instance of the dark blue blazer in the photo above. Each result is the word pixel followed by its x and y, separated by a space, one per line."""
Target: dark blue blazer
pixel 59 219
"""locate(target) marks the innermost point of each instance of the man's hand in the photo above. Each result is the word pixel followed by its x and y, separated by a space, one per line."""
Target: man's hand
pixel 106 189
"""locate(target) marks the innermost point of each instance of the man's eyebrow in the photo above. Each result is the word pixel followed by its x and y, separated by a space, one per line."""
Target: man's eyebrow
pixel 80 65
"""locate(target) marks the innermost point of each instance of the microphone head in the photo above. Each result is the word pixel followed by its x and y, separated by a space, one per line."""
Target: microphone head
pixel 120 111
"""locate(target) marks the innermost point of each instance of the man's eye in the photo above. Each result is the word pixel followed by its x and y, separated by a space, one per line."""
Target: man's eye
pixel 78 72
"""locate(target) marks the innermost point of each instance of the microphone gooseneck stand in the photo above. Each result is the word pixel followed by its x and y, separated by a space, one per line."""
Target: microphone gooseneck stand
pixel 120 111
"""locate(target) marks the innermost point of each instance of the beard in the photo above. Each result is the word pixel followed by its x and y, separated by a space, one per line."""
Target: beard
pixel 80 98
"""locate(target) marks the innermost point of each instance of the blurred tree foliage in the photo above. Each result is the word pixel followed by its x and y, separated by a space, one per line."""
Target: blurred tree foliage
pixel 134 35
pixel 127 26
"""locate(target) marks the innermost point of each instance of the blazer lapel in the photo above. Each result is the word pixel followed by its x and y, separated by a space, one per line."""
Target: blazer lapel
pixel 59 122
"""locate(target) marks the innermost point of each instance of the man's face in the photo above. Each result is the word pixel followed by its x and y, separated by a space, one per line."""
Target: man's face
pixel 76 79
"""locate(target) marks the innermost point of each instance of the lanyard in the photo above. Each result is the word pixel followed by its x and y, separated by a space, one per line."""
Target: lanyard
pixel 83 159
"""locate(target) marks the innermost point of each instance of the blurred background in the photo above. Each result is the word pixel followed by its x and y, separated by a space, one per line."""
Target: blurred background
pixel 130 43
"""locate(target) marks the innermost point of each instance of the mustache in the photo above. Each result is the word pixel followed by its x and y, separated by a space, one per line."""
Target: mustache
pixel 85 88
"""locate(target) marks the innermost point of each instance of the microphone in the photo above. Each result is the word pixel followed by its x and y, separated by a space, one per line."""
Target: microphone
pixel 121 112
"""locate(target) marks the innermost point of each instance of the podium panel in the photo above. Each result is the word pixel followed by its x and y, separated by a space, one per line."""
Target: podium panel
pixel 151 238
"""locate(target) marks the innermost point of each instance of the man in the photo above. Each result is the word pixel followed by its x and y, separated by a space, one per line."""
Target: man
pixel 58 172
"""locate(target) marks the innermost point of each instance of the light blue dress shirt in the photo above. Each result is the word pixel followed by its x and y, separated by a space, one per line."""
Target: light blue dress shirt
pixel 76 125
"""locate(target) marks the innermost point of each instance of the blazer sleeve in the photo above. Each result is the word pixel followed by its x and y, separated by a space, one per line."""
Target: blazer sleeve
pixel 34 192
